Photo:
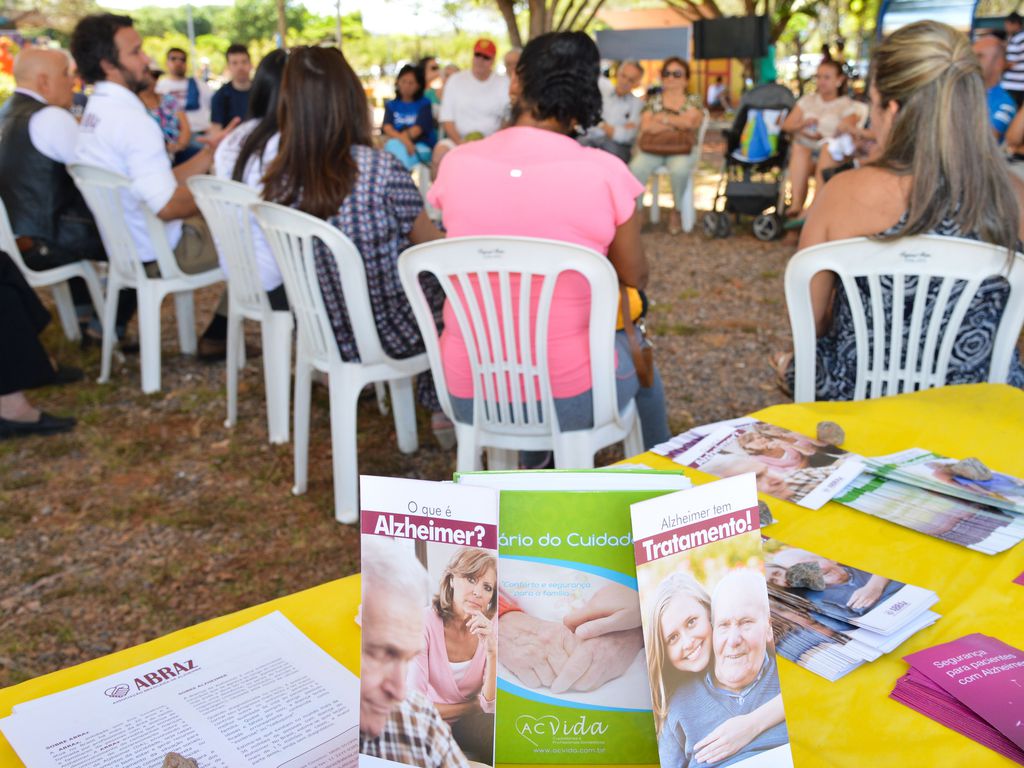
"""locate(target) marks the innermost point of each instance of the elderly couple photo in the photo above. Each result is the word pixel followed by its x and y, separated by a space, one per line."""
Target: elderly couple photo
pixel 711 659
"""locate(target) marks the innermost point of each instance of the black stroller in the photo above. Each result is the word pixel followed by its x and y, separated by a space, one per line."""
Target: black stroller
pixel 754 169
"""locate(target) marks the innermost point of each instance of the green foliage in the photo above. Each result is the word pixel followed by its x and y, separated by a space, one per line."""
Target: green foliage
pixel 257 19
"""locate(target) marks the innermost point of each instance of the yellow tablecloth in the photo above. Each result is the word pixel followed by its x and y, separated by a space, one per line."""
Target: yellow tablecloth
pixel 848 723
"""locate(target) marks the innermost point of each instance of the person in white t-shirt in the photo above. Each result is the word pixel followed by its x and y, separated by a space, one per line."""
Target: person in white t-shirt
pixel 118 134
pixel 817 117
pixel 474 102
pixel 193 95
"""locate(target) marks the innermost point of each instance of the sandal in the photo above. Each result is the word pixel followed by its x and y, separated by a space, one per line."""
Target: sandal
pixel 779 363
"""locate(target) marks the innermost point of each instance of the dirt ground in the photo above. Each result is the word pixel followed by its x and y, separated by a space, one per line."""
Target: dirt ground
pixel 152 516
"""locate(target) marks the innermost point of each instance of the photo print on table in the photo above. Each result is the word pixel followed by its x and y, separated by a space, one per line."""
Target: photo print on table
pixel 428 614
pixel 788 465
pixel 707 628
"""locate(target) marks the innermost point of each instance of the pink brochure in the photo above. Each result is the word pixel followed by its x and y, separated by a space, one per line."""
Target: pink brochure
pixel 983 673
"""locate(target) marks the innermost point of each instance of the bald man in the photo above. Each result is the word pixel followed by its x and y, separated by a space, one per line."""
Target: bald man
pixel 991 54
pixel 51 221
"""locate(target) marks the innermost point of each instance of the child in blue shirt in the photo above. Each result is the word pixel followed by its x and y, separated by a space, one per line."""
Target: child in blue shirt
pixel 409 120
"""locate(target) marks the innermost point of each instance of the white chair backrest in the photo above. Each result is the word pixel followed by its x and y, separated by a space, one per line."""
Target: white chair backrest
pixel 939 264
pixel 104 193
pixel 507 357
pixel 8 244
pixel 225 206
pixel 290 234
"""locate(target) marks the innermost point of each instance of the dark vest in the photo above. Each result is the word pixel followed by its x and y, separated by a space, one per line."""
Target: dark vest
pixel 41 199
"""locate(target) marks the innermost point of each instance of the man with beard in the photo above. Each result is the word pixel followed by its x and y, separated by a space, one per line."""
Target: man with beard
pixel 118 134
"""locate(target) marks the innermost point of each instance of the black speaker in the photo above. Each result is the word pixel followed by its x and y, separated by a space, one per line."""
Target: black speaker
pixel 735 37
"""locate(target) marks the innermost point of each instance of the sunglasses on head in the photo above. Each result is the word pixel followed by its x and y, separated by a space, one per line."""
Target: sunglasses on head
pixel 675 73
pixel 483 56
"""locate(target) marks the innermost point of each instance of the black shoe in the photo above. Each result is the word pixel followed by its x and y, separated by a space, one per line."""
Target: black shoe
pixel 216 350
pixel 68 374
pixel 46 424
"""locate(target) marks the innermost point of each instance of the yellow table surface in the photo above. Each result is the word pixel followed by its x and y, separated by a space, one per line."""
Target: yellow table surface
pixel 851 722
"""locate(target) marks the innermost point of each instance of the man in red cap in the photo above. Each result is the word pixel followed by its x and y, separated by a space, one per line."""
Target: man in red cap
pixel 474 102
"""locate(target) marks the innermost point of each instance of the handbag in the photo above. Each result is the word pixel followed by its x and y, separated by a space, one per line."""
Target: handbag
pixel 672 141
pixel 643 355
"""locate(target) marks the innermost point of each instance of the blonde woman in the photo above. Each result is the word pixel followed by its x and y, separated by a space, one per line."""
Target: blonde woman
pixel 679 650
pixel 939 171
pixel 457 668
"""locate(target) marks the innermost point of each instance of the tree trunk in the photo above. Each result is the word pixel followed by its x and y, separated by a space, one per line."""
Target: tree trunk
pixel 282 24
pixel 508 13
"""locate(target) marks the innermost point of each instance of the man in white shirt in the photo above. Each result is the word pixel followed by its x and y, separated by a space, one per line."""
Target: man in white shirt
pixel 620 114
pixel 117 133
pixel 52 224
pixel 474 102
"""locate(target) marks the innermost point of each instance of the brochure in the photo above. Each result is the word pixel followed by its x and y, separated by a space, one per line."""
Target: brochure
pixel 429 607
pixel 572 685
pixel 816 583
pixel 788 465
pixel 975 526
pixel 260 695
pixel 707 627
pixel 924 469
pixel 971 685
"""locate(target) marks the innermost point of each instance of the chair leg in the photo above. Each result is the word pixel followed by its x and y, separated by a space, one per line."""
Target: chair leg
pixel 344 444
pixel 149 337
pixel 655 216
pixel 276 332
pixel 382 397
pixel 109 328
pixel 234 338
pixel 66 310
pixel 303 394
pixel 185 310
pixel 633 445
pixel 92 282
pixel 467 456
pixel 573 450
pixel 404 405
pixel 502 459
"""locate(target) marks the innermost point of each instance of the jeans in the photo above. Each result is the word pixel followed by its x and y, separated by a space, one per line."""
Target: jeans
pixel 680 167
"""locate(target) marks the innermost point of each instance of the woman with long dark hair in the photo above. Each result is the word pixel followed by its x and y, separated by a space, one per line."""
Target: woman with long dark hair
pixel 244 154
pixel 939 171
pixel 326 166
pixel 533 179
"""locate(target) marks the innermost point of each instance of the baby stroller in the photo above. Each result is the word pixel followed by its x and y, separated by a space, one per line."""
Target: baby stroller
pixel 754 168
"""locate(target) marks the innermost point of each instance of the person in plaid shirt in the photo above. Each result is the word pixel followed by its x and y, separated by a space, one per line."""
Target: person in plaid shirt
pixel 396 722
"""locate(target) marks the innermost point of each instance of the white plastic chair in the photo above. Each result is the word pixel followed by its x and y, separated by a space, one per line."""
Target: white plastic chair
pixel 103 190
pixel 56 279
pixel 225 206
pixel 503 348
pixel 290 234
pixel 688 214
pixel 930 258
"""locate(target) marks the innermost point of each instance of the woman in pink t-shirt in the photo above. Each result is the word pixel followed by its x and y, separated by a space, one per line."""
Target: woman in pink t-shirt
pixel 534 180
pixel 457 669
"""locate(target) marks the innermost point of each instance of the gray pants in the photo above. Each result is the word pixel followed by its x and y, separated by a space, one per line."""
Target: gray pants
pixel 620 150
